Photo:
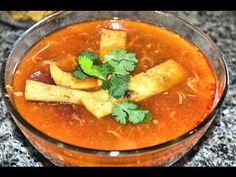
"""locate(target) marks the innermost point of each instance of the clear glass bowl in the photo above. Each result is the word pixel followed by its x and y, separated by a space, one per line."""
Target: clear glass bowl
pixel 165 154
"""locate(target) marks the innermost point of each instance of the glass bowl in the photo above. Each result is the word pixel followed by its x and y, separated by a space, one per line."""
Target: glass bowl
pixel 64 154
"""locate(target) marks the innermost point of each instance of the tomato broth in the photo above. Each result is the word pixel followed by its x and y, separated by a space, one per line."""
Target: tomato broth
pixel 174 111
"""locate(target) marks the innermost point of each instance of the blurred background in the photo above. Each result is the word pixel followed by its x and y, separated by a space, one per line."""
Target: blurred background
pixel 216 148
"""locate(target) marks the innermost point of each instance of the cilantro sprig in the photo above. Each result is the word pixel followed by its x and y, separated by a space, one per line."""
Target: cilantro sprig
pixel 116 85
pixel 114 72
pixel 122 61
pixel 129 112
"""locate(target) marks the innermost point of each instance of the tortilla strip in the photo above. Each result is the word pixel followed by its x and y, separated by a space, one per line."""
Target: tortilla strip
pixel 66 79
pixel 155 80
pixel 111 39
pixel 98 102
pixel 38 91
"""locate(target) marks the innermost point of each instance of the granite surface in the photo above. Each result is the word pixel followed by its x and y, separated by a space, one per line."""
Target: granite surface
pixel 216 148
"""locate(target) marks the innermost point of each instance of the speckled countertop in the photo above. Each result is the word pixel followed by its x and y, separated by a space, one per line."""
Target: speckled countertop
pixel 216 148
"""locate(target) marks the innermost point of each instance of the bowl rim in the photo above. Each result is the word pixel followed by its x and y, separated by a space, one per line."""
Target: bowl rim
pixel 14 113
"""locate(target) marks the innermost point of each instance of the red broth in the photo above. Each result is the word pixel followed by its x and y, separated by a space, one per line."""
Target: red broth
pixel 174 111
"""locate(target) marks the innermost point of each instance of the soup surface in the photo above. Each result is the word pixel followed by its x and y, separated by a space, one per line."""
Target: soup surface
pixel 175 111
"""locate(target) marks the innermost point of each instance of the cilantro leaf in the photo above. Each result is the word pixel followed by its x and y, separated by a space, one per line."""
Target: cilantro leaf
pixel 116 85
pixel 148 118
pixel 119 84
pixel 89 68
pixel 106 69
pixel 78 73
pixel 119 114
pixel 122 61
pixel 92 56
pixel 105 85
pixel 121 54
pixel 129 112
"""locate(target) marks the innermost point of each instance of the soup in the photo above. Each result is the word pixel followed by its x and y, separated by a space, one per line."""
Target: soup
pixel 174 110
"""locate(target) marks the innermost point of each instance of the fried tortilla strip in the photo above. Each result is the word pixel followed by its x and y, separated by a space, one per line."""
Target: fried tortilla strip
pixel 38 91
pixel 155 80
pixel 66 79
pixel 111 39
pixel 98 103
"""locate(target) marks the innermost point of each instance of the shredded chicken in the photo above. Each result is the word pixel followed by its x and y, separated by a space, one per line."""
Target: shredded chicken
pixel 130 132
pixel 133 41
pixel 18 93
pixel 47 62
pixel 180 95
pixel 156 51
pixel 155 121
pixel 192 80
pixel 17 72
pixel 81 121
pixel 190 95
pixel 149 45
pixel 146 62
pixel 114 133
pixel 196 75
pixel 44 48
pixel 140 131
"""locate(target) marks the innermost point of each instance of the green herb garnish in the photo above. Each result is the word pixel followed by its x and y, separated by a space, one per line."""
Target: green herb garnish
pixel 116 85
pixel 88 59
pixel 114 70
pixel 92 56
pixel 122 61
pixel 78 73
pixel 86 64
pixel 129 112
pixel 106 69
pixel 115 74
